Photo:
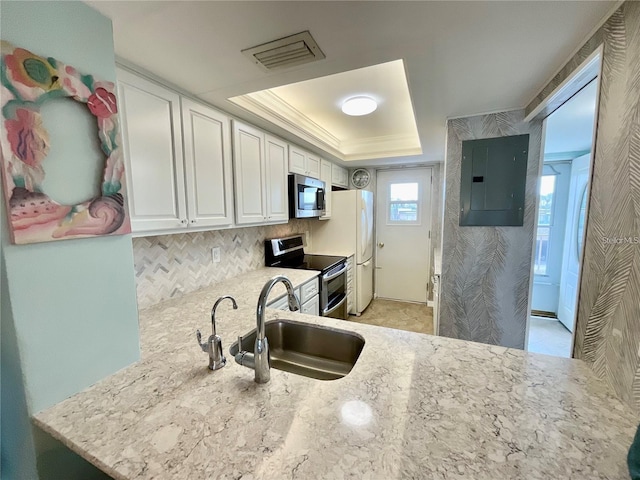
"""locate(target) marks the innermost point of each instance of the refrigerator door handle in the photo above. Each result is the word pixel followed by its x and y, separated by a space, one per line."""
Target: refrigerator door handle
pixel 365 229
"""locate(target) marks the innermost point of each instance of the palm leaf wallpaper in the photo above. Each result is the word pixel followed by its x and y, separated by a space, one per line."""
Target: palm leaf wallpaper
pixel 486 270
pixel 608 323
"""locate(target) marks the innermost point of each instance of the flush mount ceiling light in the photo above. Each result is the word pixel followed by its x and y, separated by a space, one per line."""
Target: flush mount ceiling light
pixel 358 106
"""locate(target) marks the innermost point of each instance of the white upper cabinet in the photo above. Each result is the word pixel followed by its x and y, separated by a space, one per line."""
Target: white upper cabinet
pixel 297 160
pixel 313 166
pixel 277 159
pixel 325 176
pixel 339 176
pixel 260 165
pixel 208 169
pixel 152 141
pixel 169 192
pixel 303 162
pixel 249 164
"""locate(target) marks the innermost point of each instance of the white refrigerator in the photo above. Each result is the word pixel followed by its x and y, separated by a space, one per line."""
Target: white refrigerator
pixel 350 229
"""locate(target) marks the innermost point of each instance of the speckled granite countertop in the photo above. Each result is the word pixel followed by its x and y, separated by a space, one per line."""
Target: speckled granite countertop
pixel 328 251
pixel 414 406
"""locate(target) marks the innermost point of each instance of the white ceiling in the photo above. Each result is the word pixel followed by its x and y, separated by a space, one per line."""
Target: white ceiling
pixel 570 128
pixel 461 58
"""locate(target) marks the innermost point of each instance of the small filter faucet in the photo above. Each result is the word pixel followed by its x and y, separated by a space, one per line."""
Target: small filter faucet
pixel 213 346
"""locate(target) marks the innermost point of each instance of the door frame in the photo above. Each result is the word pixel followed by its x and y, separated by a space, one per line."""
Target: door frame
pixel 592 65
pixel 375 226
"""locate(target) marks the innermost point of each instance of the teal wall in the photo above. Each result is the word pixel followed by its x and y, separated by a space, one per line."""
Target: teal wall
pixel 72 317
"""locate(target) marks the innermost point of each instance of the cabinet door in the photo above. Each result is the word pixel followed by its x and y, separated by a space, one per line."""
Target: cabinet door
pixel 249 167
pixel 152 141
pixel 339 176
pixel 309 290
pixel 297 160
pixel 312 306
pixel 209 179
pixel 325 176
pixel 277 160
pixel 313 166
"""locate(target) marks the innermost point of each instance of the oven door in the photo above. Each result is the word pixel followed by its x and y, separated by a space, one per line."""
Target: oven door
pixel 339 310
pixel 333 292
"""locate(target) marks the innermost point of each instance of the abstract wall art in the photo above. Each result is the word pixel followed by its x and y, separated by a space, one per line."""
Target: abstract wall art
pixel 26 82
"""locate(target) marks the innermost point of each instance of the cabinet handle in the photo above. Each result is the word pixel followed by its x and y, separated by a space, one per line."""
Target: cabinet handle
pixel 193 221
pixel 183 222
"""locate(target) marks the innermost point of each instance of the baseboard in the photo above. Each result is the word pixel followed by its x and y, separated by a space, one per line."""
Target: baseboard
pixel 541 313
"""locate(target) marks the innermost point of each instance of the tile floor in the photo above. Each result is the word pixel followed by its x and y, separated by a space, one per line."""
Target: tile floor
pixel 414 317
pixel 549 336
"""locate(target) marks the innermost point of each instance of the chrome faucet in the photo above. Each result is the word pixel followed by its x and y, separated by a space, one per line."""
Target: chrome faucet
pixel 213 346
pixel 260 360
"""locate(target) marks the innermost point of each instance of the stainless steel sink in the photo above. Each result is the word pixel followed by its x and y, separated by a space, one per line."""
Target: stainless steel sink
pixel 308 350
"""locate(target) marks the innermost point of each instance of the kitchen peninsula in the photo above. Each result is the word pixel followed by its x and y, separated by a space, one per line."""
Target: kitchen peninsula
pixel 414 406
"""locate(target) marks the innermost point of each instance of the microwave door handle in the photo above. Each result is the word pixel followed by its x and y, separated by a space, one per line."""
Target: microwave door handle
pixel 320 198
pixel 328 278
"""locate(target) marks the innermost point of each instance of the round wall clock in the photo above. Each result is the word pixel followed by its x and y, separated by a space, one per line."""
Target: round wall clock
pixel 360 178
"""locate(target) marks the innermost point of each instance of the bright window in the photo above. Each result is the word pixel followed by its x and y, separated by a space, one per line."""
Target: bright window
pixel 547 193
pixel 545 221
pixel 404 203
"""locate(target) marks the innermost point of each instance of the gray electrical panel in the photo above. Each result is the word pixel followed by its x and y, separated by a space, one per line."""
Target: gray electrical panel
pixel 493 180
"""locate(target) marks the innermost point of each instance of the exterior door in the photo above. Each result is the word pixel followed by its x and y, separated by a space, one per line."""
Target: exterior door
pixel 403 230
pixel 574 234
pixel 549 246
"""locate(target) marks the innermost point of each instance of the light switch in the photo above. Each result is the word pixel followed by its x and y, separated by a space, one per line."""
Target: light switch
pixel 215 254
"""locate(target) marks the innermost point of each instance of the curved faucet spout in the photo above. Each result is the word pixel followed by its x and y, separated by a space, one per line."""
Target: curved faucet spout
pixel 215 307
pixel 261 347
pixel 213 346
pixel 294 303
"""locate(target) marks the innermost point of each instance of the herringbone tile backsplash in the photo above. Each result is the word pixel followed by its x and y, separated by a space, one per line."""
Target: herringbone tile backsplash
pixel 172 265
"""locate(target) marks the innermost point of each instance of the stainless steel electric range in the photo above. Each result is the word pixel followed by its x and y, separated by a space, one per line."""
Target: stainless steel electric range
pixel 288 252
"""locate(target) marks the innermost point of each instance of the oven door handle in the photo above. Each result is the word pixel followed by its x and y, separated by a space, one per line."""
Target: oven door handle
pixel 328 278
pixel 326 312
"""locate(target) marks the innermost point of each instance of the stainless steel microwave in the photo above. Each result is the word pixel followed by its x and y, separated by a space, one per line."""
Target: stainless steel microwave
pixel 306 197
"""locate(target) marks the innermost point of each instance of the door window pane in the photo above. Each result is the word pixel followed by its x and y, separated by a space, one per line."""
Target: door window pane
pixel 547 192
pixel 403 192
pixel 542 251
pixel 403 203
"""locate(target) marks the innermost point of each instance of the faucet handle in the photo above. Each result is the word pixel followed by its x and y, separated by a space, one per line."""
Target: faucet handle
pixel 203 346
pixel 239 343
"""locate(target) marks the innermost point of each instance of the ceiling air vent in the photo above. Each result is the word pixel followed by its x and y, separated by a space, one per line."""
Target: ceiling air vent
pixel 285 52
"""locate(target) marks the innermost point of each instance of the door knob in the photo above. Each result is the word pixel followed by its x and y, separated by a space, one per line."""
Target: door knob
pixel 381 245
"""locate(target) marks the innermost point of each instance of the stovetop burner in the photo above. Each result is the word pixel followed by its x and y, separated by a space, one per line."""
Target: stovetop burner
pixel 322 263
pixel 289 253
